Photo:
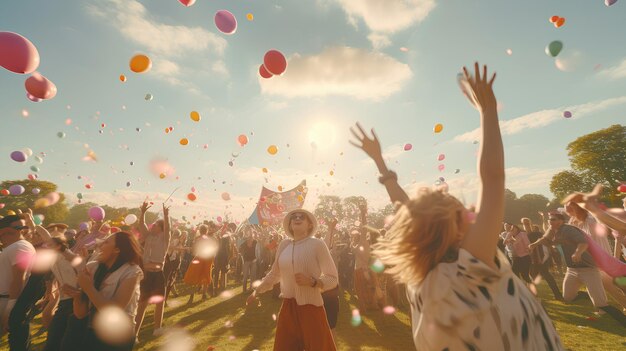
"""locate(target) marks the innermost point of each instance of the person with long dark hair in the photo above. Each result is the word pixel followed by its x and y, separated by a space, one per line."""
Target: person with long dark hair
pixel 111 280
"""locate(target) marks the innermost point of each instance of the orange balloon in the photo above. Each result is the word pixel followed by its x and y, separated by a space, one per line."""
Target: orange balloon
pixel 242 139
pixel 184 141
pixel 438 128
pixel 560 22
pixel 272 149
pixel 195 116
pixel 122 77
pixel 280 188
pixel 250 17
pixel 264 170
pixel 553 19
pixel 191 197
pixel 140 64
pixel 162 175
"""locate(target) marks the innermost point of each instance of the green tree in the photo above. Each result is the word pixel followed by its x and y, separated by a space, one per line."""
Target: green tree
pixel 597 157
pixel 54 213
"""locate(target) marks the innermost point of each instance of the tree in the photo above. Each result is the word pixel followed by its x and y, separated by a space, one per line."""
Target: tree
pixel 527 205
pixel 54 213
pixel 79 213
pixel 597 157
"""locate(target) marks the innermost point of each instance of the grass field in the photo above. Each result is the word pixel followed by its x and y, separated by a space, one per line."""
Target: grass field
pixel 225 324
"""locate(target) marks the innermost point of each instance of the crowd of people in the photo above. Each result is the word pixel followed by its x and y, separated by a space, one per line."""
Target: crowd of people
pixel 463 292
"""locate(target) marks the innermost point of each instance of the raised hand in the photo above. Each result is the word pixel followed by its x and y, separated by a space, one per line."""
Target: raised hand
pixel 371 146
pixel 166 211
pixel 479 89
pixel 145 206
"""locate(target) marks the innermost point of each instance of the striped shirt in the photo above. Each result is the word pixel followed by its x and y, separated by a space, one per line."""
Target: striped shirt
pixel 308 256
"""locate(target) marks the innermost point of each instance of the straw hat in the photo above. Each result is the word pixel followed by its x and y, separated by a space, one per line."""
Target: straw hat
pixel 309 215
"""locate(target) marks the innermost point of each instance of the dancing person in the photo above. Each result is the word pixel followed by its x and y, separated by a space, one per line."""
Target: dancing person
pixel 463 293
pixel 503 244
pixel 199 273
pixel 113 279
pixel 222 258
pixel 521 254
pixel 540 258
pixel 304 268
pixel 156 241
pixel 173 259
pixel 248 252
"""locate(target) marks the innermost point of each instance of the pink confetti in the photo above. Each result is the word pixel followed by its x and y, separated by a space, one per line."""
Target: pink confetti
pixel 389 310
pixel 156 299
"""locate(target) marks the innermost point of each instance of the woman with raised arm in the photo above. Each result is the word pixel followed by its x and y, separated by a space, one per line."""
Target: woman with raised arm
pixel 304 268
pixel 463 293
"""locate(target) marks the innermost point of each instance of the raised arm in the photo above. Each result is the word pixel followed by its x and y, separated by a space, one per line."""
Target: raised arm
pixel 482 238
pixel 388 178
pixel 330 237
pixel 166 224
pixel 143 229
pixel 271 278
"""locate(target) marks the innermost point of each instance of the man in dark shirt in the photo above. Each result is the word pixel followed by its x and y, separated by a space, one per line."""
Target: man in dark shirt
pixel 222 258
pixel 248 252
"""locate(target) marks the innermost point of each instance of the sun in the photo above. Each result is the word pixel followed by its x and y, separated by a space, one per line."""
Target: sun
pixel 322 135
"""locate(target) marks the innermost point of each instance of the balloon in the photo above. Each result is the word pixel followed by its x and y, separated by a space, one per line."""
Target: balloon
pixel 38 159
pixel 122 78
pixel 187 2
pixel 407 147
pixel 225 196
pixel 96 213
pixel 264 170
pixel 83 226
pixel 272 149
pixel 553 19
pixel 79 195
pixel 4 192
pixel 162 175
pixel 609 2
pixel 219 219
pixel 38 219
pixel 250 16
pixel 622 188
pixel 88 186
pixel 32 176
pixel 225 22
pixel 11 213
pixel 441 157
pixel 140 64
pixel 16 189
pixel 184 141
pixel 441 168
pixel 28 152
pixel 2 206
pixel 130 219
pixel 148 97
pixel 560 22
pixel 32 98
pixel 19 55
pixel 34 168
pixel 242 139
pixel 195 116
pixel 18 156
pixel 61 135
pixel 191 197
pixel 457 171
pixel 36 191
pixel 275 62
pixel 438 128
pixel 567 114
pixel 264 73
pixel 128 184
pixel 40 87
pixel 554 48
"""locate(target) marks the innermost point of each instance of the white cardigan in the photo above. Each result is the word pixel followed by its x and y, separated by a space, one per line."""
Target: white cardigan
pixel 309 256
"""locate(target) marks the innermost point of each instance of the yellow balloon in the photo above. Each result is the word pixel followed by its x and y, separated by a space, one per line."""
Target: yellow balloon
pixel 195 116
pixel 162 175
pixel 140 64
pixel 438 128
pixel 10 213
pixel 264 170
pixel 272 149
pixel 250 17
pixel 184 141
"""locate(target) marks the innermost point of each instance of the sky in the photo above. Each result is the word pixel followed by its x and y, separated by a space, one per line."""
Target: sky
pixel 389 64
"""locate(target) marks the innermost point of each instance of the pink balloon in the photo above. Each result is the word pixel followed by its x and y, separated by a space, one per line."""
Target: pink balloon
pixel 407 147
pixel 441 168
pixel 40 87
pixel 18 54
pixel 441 157
pixel 225 22
pixel 32 98
pixel 187 2
pixel 96 213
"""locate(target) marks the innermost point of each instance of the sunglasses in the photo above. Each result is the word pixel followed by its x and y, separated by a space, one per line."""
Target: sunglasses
pixel 298 216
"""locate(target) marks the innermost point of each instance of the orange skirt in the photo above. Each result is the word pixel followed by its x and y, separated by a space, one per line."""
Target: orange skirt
pixel 199 273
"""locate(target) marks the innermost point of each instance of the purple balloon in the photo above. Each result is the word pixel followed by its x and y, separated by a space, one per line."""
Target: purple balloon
pixel 18 156
pixel 36 191
pixel 567 114
pixel 16 189
pixel 83 226
pixel 609 2
pixel 225 22
pixel 96 213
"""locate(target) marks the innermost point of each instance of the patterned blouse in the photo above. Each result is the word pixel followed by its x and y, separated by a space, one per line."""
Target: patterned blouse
pixel 467 305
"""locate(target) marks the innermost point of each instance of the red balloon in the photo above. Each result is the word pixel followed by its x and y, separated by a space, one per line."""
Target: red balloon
pixel 4 192
pixel 191 197
pixel 40 87
pixel 264 73
pixel 275 62
pixel 19 55
pixel 622 188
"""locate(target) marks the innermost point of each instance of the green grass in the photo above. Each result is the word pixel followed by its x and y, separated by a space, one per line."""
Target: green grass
pixel 254 328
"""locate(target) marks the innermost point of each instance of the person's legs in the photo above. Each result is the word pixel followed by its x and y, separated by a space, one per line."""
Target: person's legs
pixel 19 323
pixel 253 274
pixel 524 263
pixel 592 280
pixel 616 293
pixel 58 325
pixel 571 284
pixel 141 311
pixel 247 266
pixel 158 289
pixel 287 334
pixel 544 271
pixel 74 333
pixel 314 328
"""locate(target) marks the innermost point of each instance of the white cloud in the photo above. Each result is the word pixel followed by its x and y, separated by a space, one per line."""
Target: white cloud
pixel 166 44
pixel 387 16
pixel 340 71
pixel 545 117
pixel 524 180
pixel 379 41
pixel 617 72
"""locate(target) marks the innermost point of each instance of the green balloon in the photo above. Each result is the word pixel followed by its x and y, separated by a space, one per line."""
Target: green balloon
pixel 554 48
pixel 61 135
pixel 37 219
pixel 34 168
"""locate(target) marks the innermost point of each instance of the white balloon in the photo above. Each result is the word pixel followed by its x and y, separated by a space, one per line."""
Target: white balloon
pixel 130 219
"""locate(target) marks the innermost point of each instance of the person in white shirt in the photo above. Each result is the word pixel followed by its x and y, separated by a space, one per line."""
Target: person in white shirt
pixel 305 269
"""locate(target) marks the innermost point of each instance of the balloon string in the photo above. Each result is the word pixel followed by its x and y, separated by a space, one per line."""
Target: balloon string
pixel 172 193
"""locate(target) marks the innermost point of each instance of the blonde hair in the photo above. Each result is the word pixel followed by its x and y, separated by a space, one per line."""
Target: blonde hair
pixel 425 232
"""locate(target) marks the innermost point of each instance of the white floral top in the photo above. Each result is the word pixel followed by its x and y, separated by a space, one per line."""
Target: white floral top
pixel 466 305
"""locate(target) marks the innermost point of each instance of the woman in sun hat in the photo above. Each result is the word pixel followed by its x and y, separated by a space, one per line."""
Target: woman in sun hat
pixel 305 269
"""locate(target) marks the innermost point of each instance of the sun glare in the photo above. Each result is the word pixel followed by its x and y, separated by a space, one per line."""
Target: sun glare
pixel 322 135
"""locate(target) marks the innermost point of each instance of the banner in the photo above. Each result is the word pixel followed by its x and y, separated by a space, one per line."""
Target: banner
pixel 273 206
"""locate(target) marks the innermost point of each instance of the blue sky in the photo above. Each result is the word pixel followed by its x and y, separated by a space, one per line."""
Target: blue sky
pixel 390 64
